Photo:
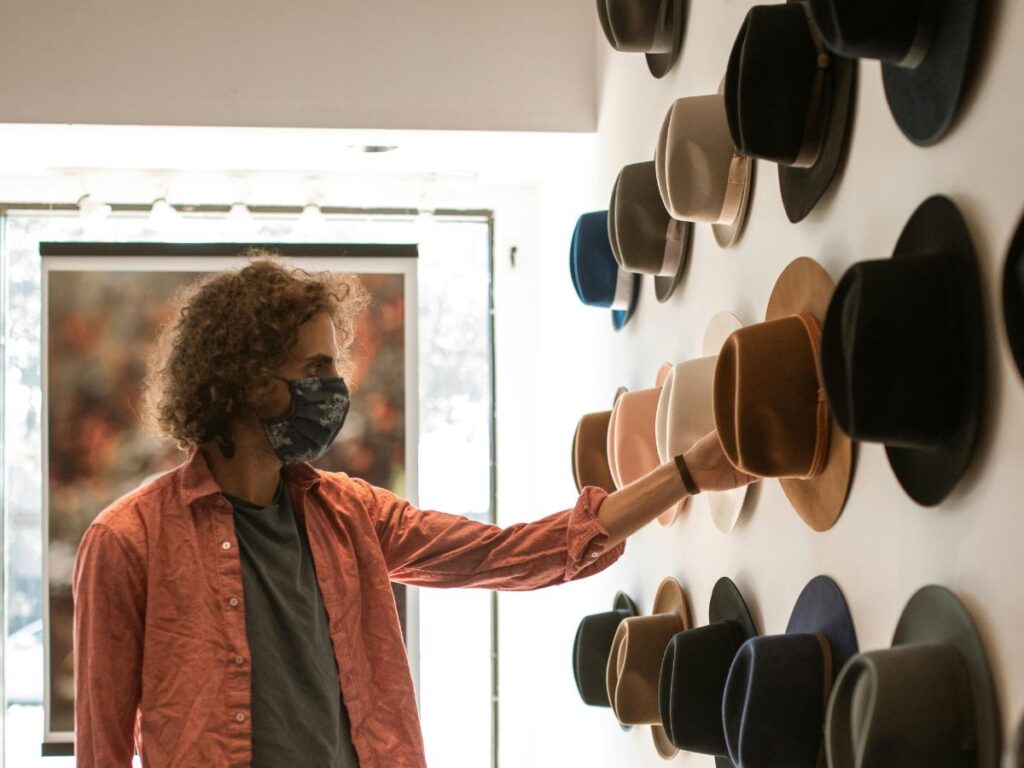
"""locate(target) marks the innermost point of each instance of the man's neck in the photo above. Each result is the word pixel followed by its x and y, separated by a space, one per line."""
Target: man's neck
pixel 252 474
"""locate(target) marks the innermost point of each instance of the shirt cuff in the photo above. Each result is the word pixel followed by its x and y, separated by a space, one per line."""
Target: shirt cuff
pixel 587 537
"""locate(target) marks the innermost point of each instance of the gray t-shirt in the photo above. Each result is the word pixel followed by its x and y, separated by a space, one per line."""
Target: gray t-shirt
pixel 298 716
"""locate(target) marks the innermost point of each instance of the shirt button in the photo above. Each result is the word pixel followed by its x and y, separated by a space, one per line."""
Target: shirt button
pixel 240 717
pixel 225 545
pixel 239 660
pixel 593 555
pixel 233 602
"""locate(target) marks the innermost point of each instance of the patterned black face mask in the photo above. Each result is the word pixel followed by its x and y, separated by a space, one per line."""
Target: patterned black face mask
pixel 319 408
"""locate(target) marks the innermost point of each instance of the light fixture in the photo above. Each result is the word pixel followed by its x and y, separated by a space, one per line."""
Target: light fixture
pixel 373 149
pixel 311 221
pixel 92 209
pixel 162 214
pixel 240 222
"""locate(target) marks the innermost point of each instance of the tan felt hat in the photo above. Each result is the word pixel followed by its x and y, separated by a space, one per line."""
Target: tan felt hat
pixel 634 663
pixel 632 452
pixel 769 399
pixel 590 450
pixel 700 176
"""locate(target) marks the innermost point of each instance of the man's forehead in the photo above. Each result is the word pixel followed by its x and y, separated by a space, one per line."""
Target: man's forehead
pixel 316 338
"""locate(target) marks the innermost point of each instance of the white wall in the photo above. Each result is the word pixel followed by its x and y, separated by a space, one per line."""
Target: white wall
pixel 444 64
pixel 884 546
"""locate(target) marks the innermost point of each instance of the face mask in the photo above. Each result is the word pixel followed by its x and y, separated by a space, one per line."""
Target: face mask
pixel 319 407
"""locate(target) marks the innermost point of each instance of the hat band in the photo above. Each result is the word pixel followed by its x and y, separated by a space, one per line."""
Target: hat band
pixel 827 674
pixel 623 290
pixel 926 24
pixel 734 190
pixel 823 421
pixel 675 246
pixel 814 126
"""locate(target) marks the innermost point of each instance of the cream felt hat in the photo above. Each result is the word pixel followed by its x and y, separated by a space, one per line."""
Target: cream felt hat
pixel 686 414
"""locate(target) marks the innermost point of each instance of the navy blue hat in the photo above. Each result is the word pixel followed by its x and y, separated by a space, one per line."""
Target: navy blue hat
pixel 591 648
pixel 598 280
pixel 693 673
pixel 773 711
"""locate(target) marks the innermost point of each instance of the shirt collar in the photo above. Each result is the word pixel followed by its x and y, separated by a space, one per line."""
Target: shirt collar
pixel 197 482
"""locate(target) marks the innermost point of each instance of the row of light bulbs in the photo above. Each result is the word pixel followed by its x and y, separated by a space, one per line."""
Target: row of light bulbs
pixel 163 214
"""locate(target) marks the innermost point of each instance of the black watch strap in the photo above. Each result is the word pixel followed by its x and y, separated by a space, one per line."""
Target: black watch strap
pixel 684 473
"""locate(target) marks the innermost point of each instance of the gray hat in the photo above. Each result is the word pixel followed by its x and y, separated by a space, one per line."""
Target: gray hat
pixel 652 27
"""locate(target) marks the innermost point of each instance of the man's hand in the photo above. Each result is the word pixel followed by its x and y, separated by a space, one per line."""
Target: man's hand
pixel 710 468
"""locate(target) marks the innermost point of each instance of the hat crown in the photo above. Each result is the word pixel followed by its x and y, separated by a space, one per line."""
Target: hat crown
pixel 595 274
pixel 909 704
pixel 693 674
pixel 634 666
pixel 873 29
pixel 590 654
pixel 774 704
pixel 590 452
pixel 632 448
pixel 767 399
pixel 770 84
pixel 637 26
pixel 685 411
pixel 637 219
pixel 892 357
pixel 693 157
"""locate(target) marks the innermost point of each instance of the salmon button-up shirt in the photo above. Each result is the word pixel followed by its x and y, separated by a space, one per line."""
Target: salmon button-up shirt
pixel 161 655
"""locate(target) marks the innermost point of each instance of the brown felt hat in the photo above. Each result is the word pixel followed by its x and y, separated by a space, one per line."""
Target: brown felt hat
pixel 634 663
pixel 590 450
pixel 769 399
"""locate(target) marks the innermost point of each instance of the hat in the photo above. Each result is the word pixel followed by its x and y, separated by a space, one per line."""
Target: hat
pixel 634 662
pixel 925 50
pixel 644 238
pixel 632 451
pixel 590 450
pixel 789 101
pixel 1013 296
pixel 769 402
pixel 597 278
pixel 700 176
pixel 693 672
pixel 927 700
pixel 778 686
pixel 903 352
pixel 685 414
pixel 651 27
pixel 591 647
pixel 1017 752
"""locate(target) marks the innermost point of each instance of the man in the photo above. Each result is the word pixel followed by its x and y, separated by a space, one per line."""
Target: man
pixel 237 610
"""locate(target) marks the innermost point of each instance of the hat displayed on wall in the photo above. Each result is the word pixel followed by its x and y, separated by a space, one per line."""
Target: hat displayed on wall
pixel 685 415
pixel 778 686
pixel 652 27
pixel 634 662
pixel 1017 752
pixel 590 450
pixel 693 673
pixel 789 101
pixel 769 400
pixel 644 238
pixel 632 451
pixel 591 647
pixel 903 352
pixel 598 280
pixel 700 176
pixel 925 48
pixel 927 700
pixel 1013 296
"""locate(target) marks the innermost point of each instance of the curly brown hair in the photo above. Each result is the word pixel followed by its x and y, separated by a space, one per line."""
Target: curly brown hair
pixel 229 331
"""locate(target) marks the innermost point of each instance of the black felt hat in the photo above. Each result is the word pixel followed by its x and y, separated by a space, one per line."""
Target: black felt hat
pixel 903 352
pixel 925 49
pixel 591 648
pixel 652 27
pixel 789 101
pixel 928 700
pixel 777 689
pixel 693 672
pixel 1013 297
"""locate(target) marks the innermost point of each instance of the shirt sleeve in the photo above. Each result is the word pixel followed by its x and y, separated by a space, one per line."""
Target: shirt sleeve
pixel 109 596
pixel 428 548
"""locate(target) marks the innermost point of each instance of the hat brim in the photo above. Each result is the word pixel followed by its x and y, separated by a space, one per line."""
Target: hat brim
pixel 726 506
pixel 670 598
pixel 805 287
pixel 622 316
pixel 665 285
pixel 727 234
pixel 727 604
pixel 821 608
pixel 1013 297
pixel 659 64
pixel 934 615
pixel 924 100
pixel 929 475
pixel 802 188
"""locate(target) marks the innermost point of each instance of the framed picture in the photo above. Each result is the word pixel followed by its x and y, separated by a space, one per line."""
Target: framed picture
pixel 103 305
